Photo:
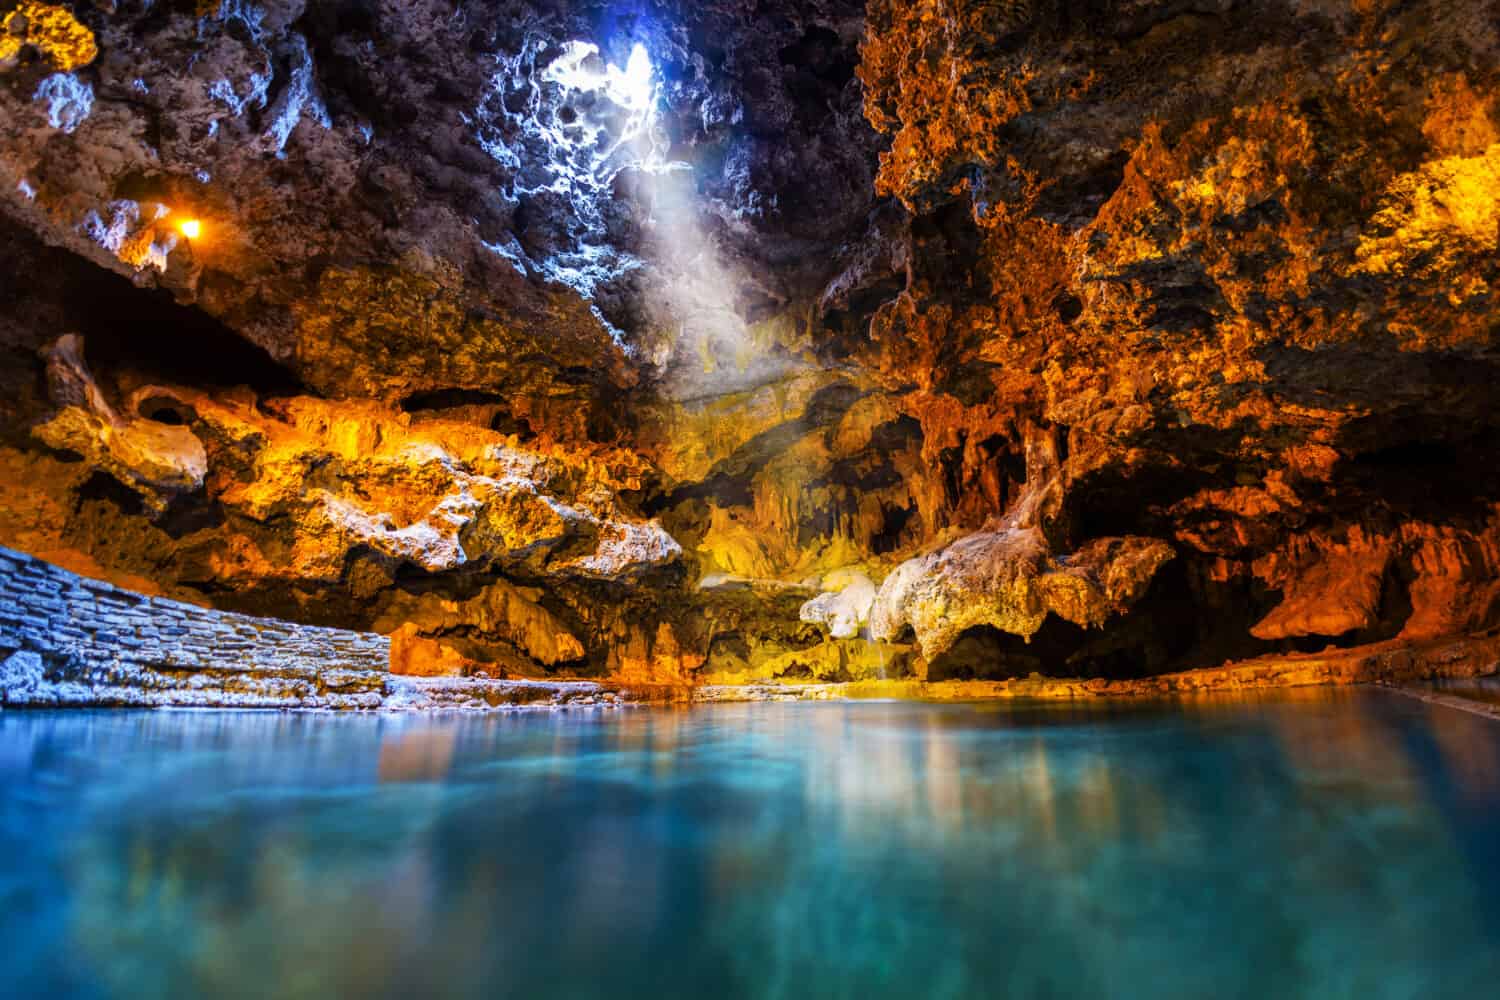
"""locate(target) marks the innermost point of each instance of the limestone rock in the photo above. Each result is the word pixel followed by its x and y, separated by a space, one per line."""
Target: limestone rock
pixel 51 30
pixel 1008 579
pixel 436 635
pixel 156 460
pixel 844 605
pixel 1340 593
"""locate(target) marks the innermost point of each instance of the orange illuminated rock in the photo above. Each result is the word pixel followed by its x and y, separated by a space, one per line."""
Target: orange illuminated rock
pixel 654 658
pixel 1328 590
pixel 52 30
pixel 417 656
pixel 156 460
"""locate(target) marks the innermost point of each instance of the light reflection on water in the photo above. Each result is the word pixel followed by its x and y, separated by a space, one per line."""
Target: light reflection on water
pixel 1335 844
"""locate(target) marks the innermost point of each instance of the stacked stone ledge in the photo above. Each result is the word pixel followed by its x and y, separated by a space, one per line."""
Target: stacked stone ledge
pixel 66 640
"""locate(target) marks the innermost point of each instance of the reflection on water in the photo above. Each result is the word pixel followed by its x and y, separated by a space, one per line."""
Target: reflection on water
pixel 1337 844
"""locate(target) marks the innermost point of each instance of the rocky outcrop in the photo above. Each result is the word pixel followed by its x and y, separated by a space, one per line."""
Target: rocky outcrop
pixel 156 460
pixel 315 501
pixel 1398 666
pixel 398 197
pixel 1007 579
pixel 843 606
pixel 1444 577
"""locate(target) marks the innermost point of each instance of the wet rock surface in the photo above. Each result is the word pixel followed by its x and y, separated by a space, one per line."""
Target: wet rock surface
pixel 816 341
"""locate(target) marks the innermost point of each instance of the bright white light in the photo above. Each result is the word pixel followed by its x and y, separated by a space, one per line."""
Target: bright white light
pixel 569 70
pixel 632 88
pixel 578 69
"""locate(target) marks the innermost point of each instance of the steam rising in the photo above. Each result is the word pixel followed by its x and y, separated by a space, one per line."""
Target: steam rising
pixel 698 332
pixel 694 299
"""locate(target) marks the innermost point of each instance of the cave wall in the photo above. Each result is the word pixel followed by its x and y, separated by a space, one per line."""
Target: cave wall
pixel 944 338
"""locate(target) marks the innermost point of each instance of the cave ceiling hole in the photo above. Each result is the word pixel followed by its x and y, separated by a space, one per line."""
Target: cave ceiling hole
pixel 583 150
pixel 602 107
pixel 563 124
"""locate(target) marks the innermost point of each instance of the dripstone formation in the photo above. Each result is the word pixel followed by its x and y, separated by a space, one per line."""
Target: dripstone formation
pixel 685 344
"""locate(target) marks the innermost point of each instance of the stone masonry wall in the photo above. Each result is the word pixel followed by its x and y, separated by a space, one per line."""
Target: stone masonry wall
pixel 66 639
pixel 69 640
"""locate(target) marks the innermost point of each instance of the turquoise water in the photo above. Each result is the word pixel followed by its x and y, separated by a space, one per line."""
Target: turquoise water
pixel 1344 846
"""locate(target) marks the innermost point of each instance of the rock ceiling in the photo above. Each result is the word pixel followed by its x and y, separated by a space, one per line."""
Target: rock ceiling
pixel 737 340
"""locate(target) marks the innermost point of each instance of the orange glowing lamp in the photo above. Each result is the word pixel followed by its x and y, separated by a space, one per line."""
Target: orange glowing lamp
pixel 191 228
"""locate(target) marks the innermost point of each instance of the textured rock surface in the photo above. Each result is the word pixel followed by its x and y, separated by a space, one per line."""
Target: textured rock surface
pixel 834 341
pixel 1006 579
pixel 1389 664
pixel 66 640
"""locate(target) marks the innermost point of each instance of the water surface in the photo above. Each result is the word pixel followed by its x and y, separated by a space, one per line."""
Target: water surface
pixel 1336 846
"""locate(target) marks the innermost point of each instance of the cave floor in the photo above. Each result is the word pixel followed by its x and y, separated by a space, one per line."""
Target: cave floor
pixel 1485 690
pixel 1475 695
pixel 1329 842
